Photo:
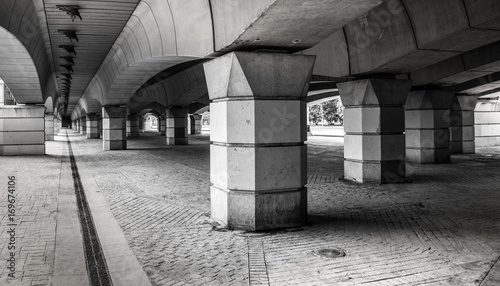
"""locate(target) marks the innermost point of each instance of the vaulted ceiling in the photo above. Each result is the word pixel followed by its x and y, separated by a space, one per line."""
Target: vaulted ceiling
pixel 85 54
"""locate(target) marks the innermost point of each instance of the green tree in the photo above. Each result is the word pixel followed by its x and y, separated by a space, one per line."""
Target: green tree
pixel 315 114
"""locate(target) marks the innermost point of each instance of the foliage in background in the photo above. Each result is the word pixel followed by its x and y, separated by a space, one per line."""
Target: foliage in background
pixel 333 112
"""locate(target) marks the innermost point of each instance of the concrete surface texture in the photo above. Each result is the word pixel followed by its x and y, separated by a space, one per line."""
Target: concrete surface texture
pixel 440 227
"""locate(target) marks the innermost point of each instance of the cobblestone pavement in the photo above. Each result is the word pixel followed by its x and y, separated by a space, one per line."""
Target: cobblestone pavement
pixel 441 227
pixel 35 208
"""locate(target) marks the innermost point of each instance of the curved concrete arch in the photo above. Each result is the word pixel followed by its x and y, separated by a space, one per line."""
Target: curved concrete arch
pixel 159 34
pixel 198 108
pixel 136 108
pixel 180 89
pixel 90 105
pixel 402 36
pixel 26 42
pixel 163 33
pixel 49 105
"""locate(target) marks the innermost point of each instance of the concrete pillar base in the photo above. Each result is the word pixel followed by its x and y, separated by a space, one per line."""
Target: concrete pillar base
pixel 93 126
pixel 176 126
pixel 162 124
pixel 259 210
pixel 132 125
pixel 22 130
pixel 83 125
pixel 427 119
pixel 114 127
pixel 462 139
pixel 195 124
pixel 49 127
pixel 374 148
pixel 258 159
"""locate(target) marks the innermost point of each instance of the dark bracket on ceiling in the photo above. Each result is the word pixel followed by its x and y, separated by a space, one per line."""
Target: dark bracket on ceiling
pixel 67 75
pixel 69 60
pixel 71 34
pixel 69 48
pixel 71 10
pixel 68 67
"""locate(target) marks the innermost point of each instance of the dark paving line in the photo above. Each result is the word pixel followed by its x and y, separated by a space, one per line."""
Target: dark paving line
pixel 487 273
pixel 97 268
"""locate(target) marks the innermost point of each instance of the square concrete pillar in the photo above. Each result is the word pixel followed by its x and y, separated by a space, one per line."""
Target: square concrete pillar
pixel 374 147
pixel 57 126
pixel 427 119
pixel 49 127
pixel 114 127
pixel 83 125
pixel 487 123
pixel 195 124
pixel 141 124
pixel 93 131
pixel 258 159
pixel 132 125
pixel 176 125
pixel 22 130
pixel 162 125
pixel 462 139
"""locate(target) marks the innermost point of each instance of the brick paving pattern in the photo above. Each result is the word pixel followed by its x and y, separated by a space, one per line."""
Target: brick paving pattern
pixel 404 234
pixel 36 214
pixel 441 227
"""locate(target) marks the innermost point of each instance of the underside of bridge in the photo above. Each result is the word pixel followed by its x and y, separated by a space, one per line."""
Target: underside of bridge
pixel 419 79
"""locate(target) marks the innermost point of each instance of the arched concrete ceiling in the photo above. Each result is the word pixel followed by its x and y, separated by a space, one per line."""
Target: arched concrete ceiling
pixel 180 89
pixel 164 33
pixel 405 37
pixel 90 105
pixel 25 64
pixel 198 108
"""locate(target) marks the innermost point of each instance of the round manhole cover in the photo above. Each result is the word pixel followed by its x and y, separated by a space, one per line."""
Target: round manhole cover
pixel 330 252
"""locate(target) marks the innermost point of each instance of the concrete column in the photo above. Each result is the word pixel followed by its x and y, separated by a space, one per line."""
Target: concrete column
pixel 487 118
pixel 114 127
pixel 132 125
pixel 93 131
pixel 49 127
pixel 176 129
pixel 428 126
pixel 2 92
pixel 22 130
pixel 100 126
pixel 77 121
pixel 195 123
pixel 162 125
pixel 374 144
pixel 57 126
pixel 141 124
pixel 462 124
pixel 258 159
pixel 83 125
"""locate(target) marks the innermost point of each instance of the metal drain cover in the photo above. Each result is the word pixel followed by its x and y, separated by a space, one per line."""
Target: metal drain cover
pixel 330 252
